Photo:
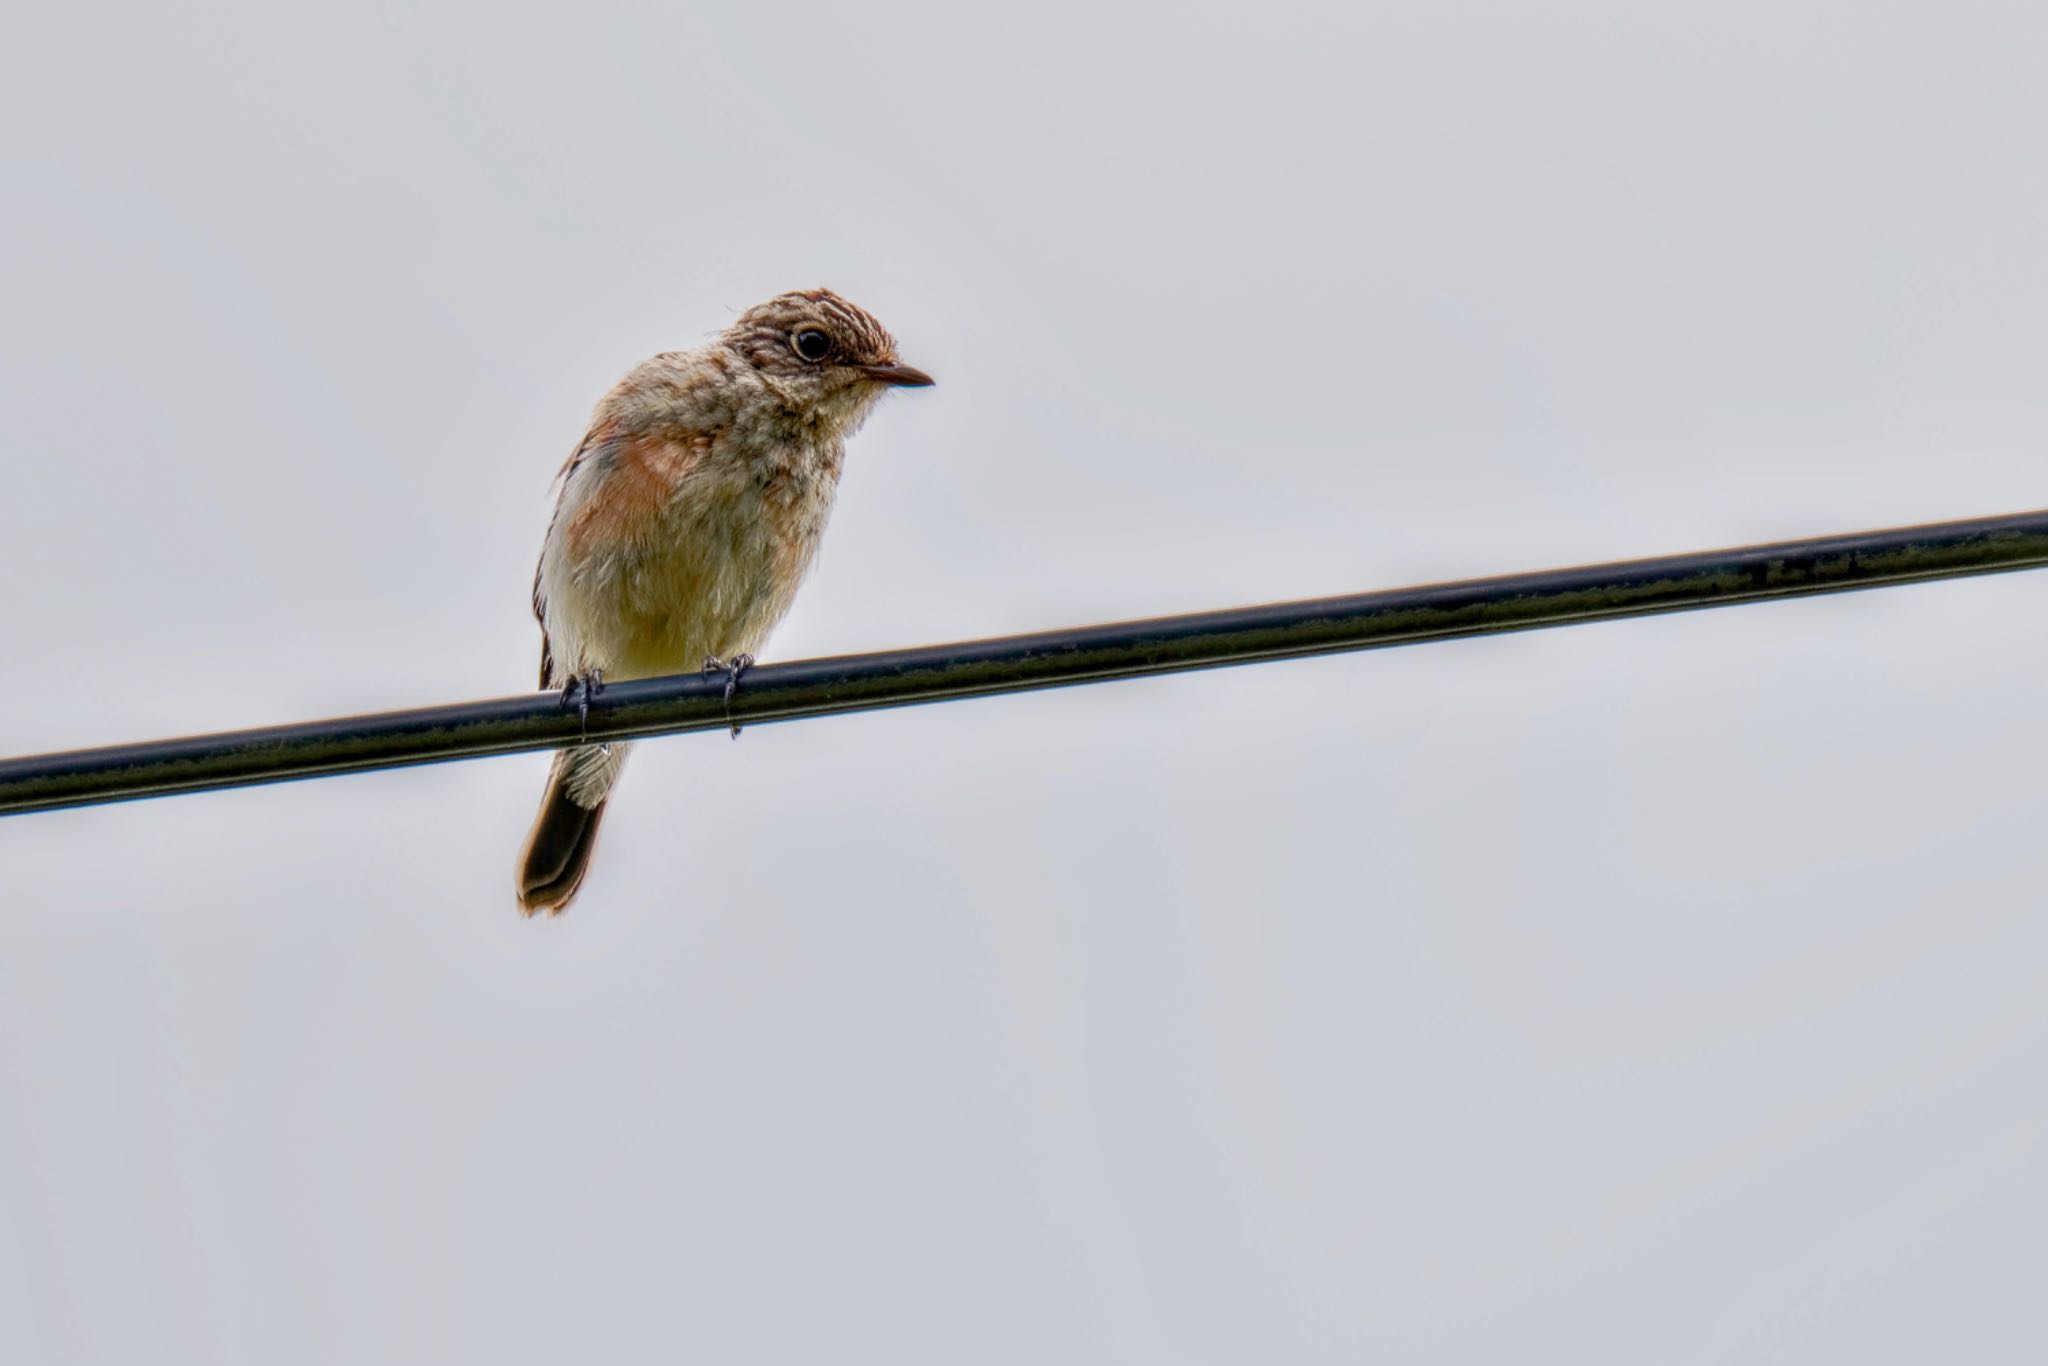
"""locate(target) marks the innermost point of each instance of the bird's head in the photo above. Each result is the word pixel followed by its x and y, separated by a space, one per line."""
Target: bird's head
pixel 827 358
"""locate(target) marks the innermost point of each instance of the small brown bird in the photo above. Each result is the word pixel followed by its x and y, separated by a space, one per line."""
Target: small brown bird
pixel 686 519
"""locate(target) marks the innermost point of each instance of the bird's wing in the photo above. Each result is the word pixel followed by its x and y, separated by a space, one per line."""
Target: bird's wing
pixel 597 435
pixel 640 473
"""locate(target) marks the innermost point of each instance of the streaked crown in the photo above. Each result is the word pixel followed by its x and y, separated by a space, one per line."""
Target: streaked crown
pixel 799 329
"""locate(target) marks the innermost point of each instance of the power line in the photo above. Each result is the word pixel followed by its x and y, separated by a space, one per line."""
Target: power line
pixel 1089 654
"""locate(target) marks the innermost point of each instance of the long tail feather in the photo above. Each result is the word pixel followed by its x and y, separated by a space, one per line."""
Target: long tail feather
pixel 557 852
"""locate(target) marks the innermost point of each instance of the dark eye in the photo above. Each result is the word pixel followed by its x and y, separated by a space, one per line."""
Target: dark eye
pixel 811 344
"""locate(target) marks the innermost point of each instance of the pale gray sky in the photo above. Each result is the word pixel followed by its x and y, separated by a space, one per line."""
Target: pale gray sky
pixel 1668 990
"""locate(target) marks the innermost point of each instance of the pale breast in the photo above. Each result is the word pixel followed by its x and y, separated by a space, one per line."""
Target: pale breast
pixel 679 555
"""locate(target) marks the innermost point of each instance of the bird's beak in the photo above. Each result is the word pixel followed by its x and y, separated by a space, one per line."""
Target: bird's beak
pixel 902 376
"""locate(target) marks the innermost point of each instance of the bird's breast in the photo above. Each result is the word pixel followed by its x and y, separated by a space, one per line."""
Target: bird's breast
pixel 719 565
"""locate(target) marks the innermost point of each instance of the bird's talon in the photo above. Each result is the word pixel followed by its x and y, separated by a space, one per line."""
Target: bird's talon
pixel 578 691
pixel 738 665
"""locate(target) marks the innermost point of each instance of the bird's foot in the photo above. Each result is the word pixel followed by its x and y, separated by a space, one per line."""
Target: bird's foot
pixel 578 691
pixel 732 669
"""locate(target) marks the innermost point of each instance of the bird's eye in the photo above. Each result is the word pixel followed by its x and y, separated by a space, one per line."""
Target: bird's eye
pixel 811 344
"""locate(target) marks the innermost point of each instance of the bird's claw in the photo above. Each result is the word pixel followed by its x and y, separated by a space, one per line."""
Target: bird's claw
pixel 732 669
pixel 578 691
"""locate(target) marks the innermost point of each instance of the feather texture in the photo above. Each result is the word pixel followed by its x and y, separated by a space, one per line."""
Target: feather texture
pixel 684 522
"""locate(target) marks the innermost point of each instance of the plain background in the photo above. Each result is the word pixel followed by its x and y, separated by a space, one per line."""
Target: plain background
pixel 1668 990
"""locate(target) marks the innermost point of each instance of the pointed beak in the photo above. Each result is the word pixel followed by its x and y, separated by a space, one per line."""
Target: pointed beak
pixel 902 376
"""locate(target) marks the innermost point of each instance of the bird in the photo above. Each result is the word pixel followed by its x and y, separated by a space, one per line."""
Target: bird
pixel 684 522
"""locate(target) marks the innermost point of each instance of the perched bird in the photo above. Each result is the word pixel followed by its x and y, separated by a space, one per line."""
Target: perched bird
pixel 685 520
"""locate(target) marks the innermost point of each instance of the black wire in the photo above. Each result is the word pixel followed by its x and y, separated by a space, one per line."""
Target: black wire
pixel 821 687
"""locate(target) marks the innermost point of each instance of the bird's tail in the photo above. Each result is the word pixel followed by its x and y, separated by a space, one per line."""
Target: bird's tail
pixel 558 851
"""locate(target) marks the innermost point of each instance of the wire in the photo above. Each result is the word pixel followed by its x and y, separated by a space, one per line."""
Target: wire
pixel 1090 654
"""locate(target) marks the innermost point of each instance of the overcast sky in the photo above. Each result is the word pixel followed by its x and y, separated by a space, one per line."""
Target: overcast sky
pixel 1669 990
